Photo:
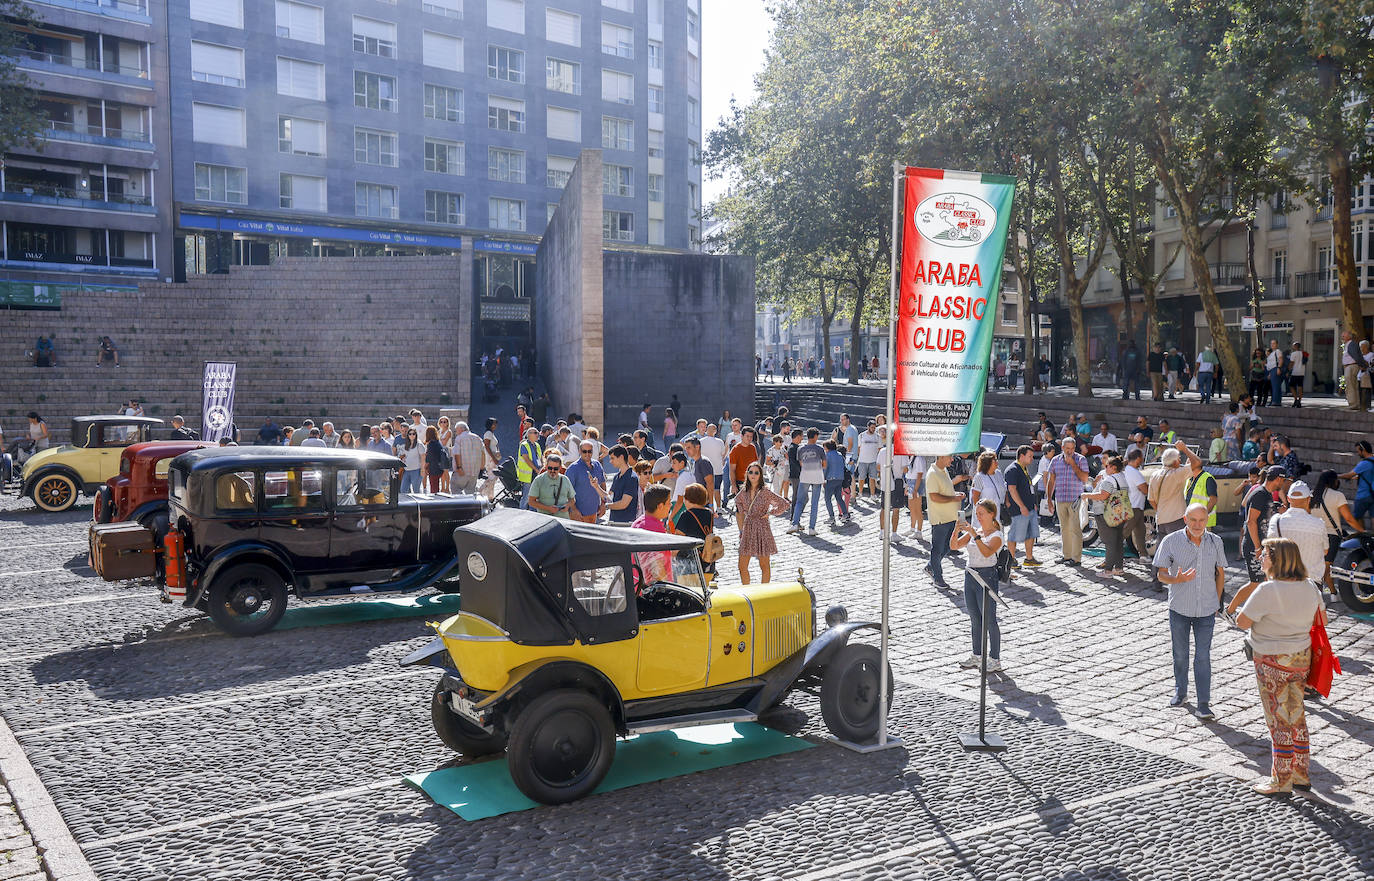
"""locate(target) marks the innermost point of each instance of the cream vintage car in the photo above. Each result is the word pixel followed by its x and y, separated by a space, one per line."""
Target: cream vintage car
pixel 55 477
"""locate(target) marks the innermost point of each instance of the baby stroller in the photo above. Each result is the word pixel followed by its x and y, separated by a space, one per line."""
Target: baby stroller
pixel 511 492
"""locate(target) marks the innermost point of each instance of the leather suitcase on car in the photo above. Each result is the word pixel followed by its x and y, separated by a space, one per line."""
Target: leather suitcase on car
pixel 121 551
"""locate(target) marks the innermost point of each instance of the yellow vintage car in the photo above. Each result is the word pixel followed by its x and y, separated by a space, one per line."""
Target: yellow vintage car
pixel 571 634
pixel 55 477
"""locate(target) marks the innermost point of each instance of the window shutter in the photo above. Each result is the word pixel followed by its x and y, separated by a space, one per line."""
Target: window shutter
pixel 307 136
pixel 441 50
pixel 562 27
pixel 300 21
pixel 505 103
pixel 564 125
pixel 308 193
pixel 508 15
pixel 212 124
pixel 303 79
pixel 219 61
pixel 371 27
pixel 226 12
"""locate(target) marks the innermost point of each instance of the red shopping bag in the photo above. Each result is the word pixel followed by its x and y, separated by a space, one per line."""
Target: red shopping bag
pixel 1325 664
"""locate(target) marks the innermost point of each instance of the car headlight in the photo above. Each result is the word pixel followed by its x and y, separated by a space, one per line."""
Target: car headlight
pixel 836 614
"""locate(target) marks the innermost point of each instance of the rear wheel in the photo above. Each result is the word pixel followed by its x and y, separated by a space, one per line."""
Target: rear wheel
pixel 102 511
pixel 1358 596
pixel 247 600
pixel 55 492
pixel 1088 523
pixel 457 733
pixel 561 746
pixel 849 692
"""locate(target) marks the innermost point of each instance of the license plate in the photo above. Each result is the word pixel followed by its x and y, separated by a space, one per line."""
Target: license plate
pixel 464 707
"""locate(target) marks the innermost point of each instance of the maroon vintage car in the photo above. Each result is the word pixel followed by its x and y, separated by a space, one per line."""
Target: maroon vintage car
pixel 139 492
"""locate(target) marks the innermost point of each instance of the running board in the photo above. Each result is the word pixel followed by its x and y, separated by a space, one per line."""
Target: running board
pixel 690 721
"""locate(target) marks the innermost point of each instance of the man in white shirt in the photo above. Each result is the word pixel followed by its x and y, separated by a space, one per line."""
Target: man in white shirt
pixel 866 471
pixel 1350 365
pixel 1105 439
pixel 1137 485
pixel 734 437
pixel 713 451
pixel 329 435
pixel 468 452
pixel 1297 360
pixel 1299 525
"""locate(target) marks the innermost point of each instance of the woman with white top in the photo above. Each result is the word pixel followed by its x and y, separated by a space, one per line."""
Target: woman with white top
pixel 1331 506
pixel 988 483
pixel 412 453
pixel 1279 615
pixel 445 430
pixel 983 544
pixel 38 432
pixel 1111 480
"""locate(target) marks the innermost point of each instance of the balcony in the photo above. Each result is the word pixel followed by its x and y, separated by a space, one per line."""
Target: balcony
pixel 1228 274
pixel 94 65
pixel 1313 284
pixel 58 130
pixel 1277 288
pixel 1278 221
pixel 38 194
pixel 125 10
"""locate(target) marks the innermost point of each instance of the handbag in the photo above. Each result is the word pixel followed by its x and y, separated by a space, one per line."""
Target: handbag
pixel 713 549
pixel 1116 508
pixel 1325 664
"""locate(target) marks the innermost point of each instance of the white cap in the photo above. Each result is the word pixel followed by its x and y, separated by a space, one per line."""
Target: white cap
pixel 1299 490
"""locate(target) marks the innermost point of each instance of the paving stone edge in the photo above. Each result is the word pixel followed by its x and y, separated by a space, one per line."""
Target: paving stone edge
pixel 58 852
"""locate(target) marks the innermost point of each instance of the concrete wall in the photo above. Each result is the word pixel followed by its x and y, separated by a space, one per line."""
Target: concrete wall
pixel 678 324
pixel 568 301
pixel 348 339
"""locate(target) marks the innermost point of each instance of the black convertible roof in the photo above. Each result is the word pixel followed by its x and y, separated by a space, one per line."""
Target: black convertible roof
pixel 279 457
pixel 543 540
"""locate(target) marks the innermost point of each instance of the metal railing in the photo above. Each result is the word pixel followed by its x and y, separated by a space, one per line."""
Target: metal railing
pixel 1313 284
pixel 1278 220
pixel 1231 274
pixel 132 10
pixel 81 63
pixel 70 197
pixel 74 132
pixel 1277 288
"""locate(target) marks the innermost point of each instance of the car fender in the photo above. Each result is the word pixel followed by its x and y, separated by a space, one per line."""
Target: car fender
pixel 239 553
pixel 430 653
pixel 829 642
pixel 148 509
pixel 46 470
pixel 531 679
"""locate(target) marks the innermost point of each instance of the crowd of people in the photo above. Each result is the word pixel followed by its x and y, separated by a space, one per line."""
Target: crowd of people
pixel 812 368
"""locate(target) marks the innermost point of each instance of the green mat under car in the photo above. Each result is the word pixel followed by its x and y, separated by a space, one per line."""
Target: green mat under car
pixel 310 614
pixel 485 789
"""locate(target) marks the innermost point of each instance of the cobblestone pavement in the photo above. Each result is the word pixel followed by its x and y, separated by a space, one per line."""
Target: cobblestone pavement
pixel 174 752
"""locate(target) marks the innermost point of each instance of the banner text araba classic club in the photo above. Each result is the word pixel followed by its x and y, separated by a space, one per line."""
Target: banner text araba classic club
pixel 954 234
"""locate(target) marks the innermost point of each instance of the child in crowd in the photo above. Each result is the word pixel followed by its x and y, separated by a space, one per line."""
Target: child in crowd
pixel 1217 453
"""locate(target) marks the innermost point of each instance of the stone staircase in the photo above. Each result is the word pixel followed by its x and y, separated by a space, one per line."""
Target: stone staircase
pixel 1323 436
pixel 345 339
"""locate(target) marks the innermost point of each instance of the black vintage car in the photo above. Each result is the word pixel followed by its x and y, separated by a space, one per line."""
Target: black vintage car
pixel 247 524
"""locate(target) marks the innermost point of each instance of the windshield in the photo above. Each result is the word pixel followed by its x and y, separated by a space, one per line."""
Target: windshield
pixel 176 485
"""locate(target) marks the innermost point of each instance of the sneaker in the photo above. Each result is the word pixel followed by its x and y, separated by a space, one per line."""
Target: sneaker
pixel 1032 563
pixel 1205 713
pixel 970 661
pixel 810 532
pixel 794 528
pixel 1176 701
pixel 994 665
pixel 911 533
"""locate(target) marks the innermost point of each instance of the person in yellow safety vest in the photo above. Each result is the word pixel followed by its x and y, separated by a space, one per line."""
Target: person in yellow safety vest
pixel 1201 488
pixel 1166 434
pixel 527 461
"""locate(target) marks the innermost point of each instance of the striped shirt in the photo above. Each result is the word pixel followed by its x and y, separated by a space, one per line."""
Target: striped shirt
pixel 1196 598
pixel 1068 486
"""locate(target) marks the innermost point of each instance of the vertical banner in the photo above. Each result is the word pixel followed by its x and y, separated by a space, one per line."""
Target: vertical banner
pixel 954 235
pixel 217 408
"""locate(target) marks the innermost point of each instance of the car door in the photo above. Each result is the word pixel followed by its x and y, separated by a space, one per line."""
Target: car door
pixel 104 445
pixel 294 519
pixel 368 526
pixel 674 651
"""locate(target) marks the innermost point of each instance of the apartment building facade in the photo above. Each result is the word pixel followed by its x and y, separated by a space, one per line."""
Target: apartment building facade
pixel 266 128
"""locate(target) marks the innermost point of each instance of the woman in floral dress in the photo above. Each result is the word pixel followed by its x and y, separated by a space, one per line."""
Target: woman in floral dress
pixel 753 506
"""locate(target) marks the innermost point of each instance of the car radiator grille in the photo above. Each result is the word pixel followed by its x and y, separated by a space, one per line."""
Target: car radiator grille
pixel 782 636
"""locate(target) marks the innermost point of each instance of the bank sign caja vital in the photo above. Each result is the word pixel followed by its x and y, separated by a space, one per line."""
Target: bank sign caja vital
pixel 954 234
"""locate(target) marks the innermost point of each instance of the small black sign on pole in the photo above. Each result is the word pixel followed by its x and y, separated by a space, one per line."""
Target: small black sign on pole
pixel 981 740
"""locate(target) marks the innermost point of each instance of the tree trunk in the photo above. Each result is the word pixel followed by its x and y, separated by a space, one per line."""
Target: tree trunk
pixel 855 343
pixel 1127 311
pixel 1202 277
pixel 1148 297
pixel 1073 294
pixel 1343 255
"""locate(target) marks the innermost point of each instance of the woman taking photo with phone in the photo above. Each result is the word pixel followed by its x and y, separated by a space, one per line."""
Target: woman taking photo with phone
pixel 983 543
pixel 1279 615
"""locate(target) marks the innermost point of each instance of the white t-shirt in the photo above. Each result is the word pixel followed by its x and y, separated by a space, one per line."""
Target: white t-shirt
pixel 1283 612
pixel 1133 479
pixel 684 480
pixel 733 438
pixel 990 487
pixel 1308 533
pixel 413 457
pixel 1295 358
pixel 490 438
pixel 976 558
pixel 713 451
pixel 869 444
pixel 1274 360
pixel 1107 442
pixel 1332 500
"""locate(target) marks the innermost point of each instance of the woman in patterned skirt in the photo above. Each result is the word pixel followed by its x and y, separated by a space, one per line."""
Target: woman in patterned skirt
pixel 753 506
pixel 1279 615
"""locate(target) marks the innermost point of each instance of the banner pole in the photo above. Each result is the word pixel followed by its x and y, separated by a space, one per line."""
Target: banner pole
pixel 891 446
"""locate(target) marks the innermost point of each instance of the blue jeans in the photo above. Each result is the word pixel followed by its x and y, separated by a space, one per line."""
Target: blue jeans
pixel 1204 385
pixel 1275 388
pixel 807 491
pixel 1180 626
pixel 973 602
pixel 410 481
pixel 834 489
pixel 940 534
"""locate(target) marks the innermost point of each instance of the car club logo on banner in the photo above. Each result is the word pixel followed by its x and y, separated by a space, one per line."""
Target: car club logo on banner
pixel 217 410
pixel 954 233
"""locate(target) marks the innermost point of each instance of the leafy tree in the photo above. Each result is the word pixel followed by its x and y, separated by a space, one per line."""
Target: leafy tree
pixel 19 120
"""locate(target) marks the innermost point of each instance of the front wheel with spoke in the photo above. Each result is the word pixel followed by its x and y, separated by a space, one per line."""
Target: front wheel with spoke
pixel 247 600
